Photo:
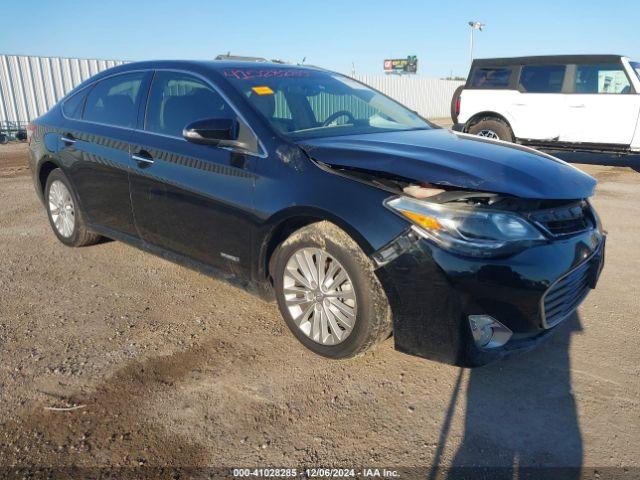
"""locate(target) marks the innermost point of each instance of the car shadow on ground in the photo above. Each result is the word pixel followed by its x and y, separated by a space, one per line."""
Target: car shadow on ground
pixel 606 159
pixel 520 415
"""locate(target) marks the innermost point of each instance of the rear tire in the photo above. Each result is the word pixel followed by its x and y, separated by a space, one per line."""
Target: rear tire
pixel 493 128
pixel 65 216
pixel 325 247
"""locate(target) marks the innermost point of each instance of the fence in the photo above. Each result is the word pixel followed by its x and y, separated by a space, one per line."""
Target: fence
pixel 29 86
pixel 430 97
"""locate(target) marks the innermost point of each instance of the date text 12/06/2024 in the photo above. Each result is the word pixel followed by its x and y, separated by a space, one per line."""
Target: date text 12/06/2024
pixel 315 473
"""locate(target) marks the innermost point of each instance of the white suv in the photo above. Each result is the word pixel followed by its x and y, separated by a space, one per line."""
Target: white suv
pixel 579 102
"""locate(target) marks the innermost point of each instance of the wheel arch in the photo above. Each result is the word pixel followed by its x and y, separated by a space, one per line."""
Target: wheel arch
pixel 287 222
pixel 46 166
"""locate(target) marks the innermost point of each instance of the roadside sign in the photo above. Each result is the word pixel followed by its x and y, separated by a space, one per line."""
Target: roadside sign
pixel 401 65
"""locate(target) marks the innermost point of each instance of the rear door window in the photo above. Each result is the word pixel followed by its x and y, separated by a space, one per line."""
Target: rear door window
pixel 72 107
pixel 491 77
pixel 542 78
pixel 601 78
pixel 177 99
pixel 113 101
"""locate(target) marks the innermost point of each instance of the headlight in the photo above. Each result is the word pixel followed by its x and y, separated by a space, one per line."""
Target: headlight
pixel 468 231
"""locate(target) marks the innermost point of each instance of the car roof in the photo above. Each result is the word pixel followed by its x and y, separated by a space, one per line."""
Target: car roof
pixel 546 59
pixel 195 66
pixel 200 65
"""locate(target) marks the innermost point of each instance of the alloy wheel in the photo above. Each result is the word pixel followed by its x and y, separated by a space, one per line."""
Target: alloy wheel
pixel 61 208
pixel 486 133
pixel 320 296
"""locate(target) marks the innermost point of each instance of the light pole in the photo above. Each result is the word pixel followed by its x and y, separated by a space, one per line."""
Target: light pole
pixel 474 26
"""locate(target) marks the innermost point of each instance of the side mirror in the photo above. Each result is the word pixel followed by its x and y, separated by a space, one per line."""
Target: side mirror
pixel 212 131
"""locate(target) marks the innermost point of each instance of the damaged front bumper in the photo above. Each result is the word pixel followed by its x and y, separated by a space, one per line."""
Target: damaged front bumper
pixel 432 293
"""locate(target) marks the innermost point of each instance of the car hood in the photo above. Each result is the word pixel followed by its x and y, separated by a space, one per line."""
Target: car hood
pixel 442 157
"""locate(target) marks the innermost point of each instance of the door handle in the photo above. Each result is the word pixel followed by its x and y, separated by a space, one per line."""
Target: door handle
pixel 143 159
pixel 580 105
pixel 68 139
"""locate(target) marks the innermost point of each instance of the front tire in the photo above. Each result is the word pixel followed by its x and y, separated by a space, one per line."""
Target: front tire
pixel 65 217
pixel 492 128
pixel 328 292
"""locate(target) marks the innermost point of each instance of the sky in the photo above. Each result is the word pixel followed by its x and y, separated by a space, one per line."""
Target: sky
pixel 328 33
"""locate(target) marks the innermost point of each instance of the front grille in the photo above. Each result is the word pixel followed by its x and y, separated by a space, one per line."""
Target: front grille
pixel 566 227
pixel 566 219
pixel 564 296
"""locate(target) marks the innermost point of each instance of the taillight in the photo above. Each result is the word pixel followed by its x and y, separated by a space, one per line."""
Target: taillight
pixel 458 105
pixel 30 129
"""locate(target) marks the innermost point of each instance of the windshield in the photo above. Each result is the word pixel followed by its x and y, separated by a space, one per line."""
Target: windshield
pixel 636 68
pixel 307 103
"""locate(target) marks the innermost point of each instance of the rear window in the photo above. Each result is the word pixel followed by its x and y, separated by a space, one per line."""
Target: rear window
pixel 636 68
pixel 491 77
pixel 542 78
pixel 601 78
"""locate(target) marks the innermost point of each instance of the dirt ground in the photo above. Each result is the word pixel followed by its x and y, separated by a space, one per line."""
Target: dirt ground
pixel 168 367
pixel 13 159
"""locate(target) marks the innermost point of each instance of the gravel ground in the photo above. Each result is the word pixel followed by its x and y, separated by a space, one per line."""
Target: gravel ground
pixel 168 367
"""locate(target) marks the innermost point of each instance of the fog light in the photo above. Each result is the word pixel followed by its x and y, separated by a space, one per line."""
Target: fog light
pixel 488 332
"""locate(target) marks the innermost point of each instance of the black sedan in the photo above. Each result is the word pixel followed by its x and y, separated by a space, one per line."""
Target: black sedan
pixel 362 219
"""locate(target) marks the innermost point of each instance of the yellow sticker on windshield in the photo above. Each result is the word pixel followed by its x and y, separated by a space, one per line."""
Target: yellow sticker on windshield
pixel 263 90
